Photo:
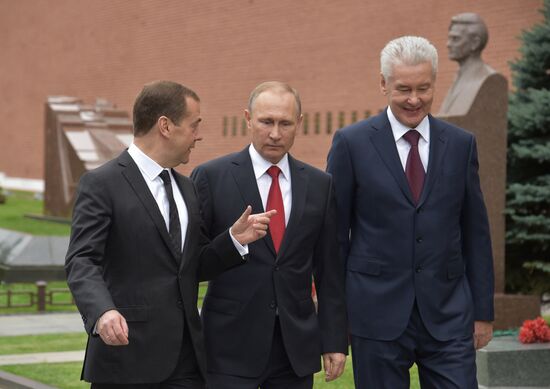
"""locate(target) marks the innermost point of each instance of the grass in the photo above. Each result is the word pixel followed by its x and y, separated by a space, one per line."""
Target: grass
pixel 12 216
pixel 67 375
pixel 25 344
pixel 59 375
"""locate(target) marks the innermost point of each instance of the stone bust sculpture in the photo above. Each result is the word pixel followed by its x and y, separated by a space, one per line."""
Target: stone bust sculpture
pixel 467 38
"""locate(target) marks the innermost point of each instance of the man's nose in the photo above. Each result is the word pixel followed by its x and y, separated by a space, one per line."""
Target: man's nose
pixel 413 98
pixel 275 132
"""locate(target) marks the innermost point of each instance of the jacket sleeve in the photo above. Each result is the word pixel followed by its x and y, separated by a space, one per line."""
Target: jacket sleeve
pixel 476 242
pixel 329 275
pixel 220 253
pixel 85 256
pixel 340 166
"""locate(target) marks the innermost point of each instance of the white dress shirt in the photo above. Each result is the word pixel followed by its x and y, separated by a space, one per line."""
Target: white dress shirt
pixel 263 179
pixel 403 147
pixel 150 171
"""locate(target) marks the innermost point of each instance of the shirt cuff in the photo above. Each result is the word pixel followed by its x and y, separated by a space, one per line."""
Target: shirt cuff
pixel 243 250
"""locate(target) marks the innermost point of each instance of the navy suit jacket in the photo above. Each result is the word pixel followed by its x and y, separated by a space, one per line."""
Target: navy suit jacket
pixel 240 306
pixel 437 252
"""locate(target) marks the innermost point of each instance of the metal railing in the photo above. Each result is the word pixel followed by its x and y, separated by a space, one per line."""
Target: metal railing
pixel 41 297
pixel 44 297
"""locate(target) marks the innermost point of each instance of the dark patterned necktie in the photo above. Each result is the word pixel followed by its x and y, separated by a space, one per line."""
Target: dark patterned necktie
pixel 275 201
pixel 174 218
pixel 414 170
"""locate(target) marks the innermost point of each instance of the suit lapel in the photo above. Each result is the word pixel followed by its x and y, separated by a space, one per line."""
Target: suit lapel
pixel 384 142
pixel 243 173
pixel 438 145
pixel 299 185
pixel 135 179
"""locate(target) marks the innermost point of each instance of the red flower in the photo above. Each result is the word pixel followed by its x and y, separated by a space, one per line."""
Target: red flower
pixel 534 331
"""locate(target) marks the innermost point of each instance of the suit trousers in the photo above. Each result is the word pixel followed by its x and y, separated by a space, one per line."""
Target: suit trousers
pixel 441 364
pixel 278 373
pixel 186 375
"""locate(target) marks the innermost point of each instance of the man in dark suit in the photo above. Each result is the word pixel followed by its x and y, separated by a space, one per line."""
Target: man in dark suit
pixel 133 285
pixel 414 233
pixel 261 328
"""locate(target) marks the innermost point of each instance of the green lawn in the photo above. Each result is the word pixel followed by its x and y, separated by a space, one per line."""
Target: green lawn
pixel 25 344
pixel 59 375
pixel 20 203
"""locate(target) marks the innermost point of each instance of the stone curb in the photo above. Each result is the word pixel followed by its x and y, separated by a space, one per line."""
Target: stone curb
pixel 12 381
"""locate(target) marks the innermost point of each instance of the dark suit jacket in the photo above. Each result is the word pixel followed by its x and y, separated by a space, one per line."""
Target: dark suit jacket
pixel 240 306
pixel 437 252
pixel 120 257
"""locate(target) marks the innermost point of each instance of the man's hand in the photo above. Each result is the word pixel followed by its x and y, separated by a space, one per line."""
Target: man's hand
pixel 483 333
pixel 333 363
pixel 112 328
pixel 249 228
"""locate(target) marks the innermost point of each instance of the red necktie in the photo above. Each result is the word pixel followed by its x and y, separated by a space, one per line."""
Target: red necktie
pixel 414 169
pixel 275 201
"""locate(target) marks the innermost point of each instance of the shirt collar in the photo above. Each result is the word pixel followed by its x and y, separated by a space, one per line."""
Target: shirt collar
pixel 260 165
pixel 150 168
pixel 399 129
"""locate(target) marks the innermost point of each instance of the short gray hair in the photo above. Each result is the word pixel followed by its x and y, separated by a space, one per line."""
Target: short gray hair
pixel 274 86
pixel 407 50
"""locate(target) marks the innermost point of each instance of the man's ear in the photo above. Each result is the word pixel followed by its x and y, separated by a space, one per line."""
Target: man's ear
pixel 299 122
pixel 247 117
pixel 475 44
pixel 163 125
pixel 383 86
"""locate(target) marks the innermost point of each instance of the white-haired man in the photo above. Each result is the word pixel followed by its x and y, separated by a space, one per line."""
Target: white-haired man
pixel 414 232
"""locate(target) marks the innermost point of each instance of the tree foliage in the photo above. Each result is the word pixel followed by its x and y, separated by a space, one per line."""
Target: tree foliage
pixel 528 192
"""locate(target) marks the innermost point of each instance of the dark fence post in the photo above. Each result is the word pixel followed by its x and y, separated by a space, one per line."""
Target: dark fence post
pixel 41 295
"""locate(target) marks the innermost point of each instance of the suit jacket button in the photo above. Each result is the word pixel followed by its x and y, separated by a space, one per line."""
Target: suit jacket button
pixel 180 304
pixel 418 269
pixel 276 268
pixel 273 305
pixel 419 239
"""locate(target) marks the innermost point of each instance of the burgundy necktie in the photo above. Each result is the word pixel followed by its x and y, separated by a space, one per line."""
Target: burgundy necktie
pixel 414 169
pixel 275 201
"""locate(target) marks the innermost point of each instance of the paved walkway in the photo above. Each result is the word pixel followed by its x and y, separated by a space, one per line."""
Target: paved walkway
pixel 46 323
pixel 57 357
pixel 35 324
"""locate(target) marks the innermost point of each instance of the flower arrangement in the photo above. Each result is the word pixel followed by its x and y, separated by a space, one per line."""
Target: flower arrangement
pixel 534 331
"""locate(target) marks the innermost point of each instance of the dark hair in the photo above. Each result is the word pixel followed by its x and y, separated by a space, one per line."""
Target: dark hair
pixel 160 98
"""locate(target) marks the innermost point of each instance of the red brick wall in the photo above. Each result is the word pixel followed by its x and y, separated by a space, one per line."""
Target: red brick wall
pixel 328 50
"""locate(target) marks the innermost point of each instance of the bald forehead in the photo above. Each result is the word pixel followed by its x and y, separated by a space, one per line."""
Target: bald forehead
pixel 269 96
